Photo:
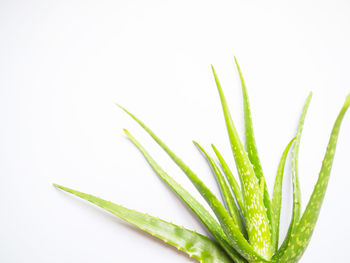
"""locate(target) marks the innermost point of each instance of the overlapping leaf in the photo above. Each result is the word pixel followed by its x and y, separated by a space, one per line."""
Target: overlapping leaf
pixel 254 237
pixel 197 208
pixel 295 180
pixel 251 145
pixel 231 179
pixel 227 196
pixel 231 229
pixel 305 227
pixel 255 213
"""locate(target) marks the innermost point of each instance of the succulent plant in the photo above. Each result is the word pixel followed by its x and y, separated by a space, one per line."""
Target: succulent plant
pixel 246 223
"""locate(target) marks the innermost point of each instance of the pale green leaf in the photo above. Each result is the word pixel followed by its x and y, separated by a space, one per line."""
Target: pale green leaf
pixel 255 213
pixel 302 234
pixel 193 244
pixel 225 191
pixel 251 145
pixel 197 208
pixel 231 230
pixel 295 180
pixel 230 178
pixel 277 195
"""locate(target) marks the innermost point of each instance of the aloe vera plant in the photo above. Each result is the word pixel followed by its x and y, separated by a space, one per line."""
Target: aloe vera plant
pixel 246 224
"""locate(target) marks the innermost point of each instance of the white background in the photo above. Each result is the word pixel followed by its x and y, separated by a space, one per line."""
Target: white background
pixel 64 65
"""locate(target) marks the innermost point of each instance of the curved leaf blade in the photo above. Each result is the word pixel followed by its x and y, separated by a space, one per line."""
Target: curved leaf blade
pixel 231 230
pixel 295 180
pixel 193 244
pixel 197 208
pixel 225 191
pixel 304 229
pixel 249 132
pixel 277 195
pixel 230 178
pixel 251 145
pixel 255 214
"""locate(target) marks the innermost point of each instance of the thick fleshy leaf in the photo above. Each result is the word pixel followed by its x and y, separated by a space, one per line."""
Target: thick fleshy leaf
pixel 231 230
pixel 255 213
pixel 230 178
pixel 197 208
pixel 277 196
pixel 304 228
pixel 251 145
pixel 193 244
pixel 225 191
pixel 295 180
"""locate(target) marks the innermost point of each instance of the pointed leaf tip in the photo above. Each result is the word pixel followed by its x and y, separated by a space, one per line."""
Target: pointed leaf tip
pixel 213 69
pixel 120 106
pixel 195 245
pixel 236 61
pixel 305 227
pixel 295 181
pixel 347 100
pixel 124 109
pixel 209 222
pixel 59 186
pixel 277 196
pixel 225 192
pixel 232 232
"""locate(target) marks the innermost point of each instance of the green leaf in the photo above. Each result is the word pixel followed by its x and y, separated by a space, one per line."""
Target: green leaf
pixel 231 230
pixel 304 229
pixel 251 145
pixel 230 178
pixel 295 180
pixel 277 195
pixel 197 208
pixel 249 132
pixel 193 244
pixel 255 213
pixel 225 191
